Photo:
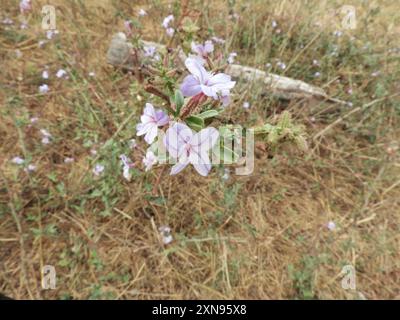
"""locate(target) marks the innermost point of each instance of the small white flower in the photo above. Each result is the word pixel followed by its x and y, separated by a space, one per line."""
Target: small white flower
pixel 61 73
pixel 317 74
pixel 45 133
pixel 98 169
pixel 268 65
pixel 30 168
pixel 46 136
pixel 45 74
pixel 234 16
pixel 274 24
pixel 149 51
pixel 50 34
pixel 331 225
pixel 167 20
pixel 149 160
pixel 170 32
pixel 375 74
pixel 218 40
pixel 41 43
pixel 338 33
pixel 231 57
pixel 44 88
pixel 315 62
pixel 93 152
pixel 25 6
pixel 45 140
pixel 7 21
pixel 17 160
pixel 126 165
pixel 246 105
pixel 24 26
pixel 33 119
pixel 142 13
pixel 281 65
pixel 68 160
pixel 92 74
pixel 165 233
pixel 132 144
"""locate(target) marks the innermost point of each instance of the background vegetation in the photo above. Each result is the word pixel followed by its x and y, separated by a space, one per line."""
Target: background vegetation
pixel 261 236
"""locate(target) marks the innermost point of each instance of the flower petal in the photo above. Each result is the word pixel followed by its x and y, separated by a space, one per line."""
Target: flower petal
pixel 205 139
pixel 178 167
pixel 151 134
pixel 209 91
pixel 149 110
pixel 176 138
pixel 219 78
pixel 197 70
pixel 143 128
pixel 190 86
pixel 201 162
pixel 161 118
pixel 208 46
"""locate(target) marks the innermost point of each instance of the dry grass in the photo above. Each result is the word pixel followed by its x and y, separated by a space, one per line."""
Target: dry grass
pixel 261 236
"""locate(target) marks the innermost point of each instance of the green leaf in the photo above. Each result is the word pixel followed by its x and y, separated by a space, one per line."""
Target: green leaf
pixel 195 123
pixel 178 100
pixel 189 26
pixel 208 114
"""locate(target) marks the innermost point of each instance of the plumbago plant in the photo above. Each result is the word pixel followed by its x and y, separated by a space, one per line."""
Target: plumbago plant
pixel 189 77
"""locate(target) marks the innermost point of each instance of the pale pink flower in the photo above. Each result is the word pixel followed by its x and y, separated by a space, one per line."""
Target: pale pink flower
pixel 142 13
pixel 201 81
pixel 25 6
pixel 68 160
pixel 61 73
pixel 126 166
pixel 98 169
pixel 149 160
pixel 165 233
pixel 281 65
pixel 18 160
pixel 218 40
pixel 44 88
pixel 203 49
pixel 149 51
pixel 167 20
pixel 128 27
pixel 231 57
pixel 132 144
pixel 30 168
pixel 7 21
pixel 151 120
pixel 50 34
pixel 170 32
pixel 190 148
pixel 331 225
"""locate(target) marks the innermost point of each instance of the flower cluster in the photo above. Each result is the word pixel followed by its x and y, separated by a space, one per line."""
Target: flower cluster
pixel 171 128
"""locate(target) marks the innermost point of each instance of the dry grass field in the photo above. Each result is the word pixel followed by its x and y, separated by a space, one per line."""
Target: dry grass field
pixel 283 232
